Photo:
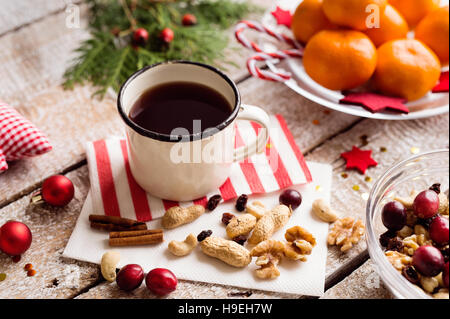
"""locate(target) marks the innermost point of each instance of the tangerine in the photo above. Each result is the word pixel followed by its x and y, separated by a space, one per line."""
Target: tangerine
pixel 309 19
pixel 340 59
pixel 406 68
pixel 414 10
pixel 433 30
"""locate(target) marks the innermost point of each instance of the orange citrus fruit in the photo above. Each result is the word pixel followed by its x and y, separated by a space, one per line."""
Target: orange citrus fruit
pixel 309 19
pixel 414 10
pixel 406 68
pixel 433 31
pixel 392 26
pixel 351 13
pixel 340 59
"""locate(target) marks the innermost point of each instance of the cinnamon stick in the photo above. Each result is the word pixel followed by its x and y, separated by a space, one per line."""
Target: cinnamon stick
pixel 122 234
pixel 103 219
pixel 136 240
pixel 112 227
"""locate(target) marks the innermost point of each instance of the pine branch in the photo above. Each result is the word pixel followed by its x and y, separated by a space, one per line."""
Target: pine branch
pixel 108 58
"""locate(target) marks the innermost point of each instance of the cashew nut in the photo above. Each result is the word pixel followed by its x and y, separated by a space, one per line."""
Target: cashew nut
pixel 110 259
pixel 177 216
pixel 322 210
pixel 227 251
pixel 257 209
pixel 270 223
pixel 241 225
pixel 183 248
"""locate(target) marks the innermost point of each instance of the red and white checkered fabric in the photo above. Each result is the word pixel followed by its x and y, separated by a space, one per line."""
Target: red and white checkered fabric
pixel 19 138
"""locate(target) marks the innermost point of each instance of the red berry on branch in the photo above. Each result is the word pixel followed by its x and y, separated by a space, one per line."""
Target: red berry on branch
pixel 189 19
pixel 15 238
pixel 167 35
pixel 57 190
pixel 140 37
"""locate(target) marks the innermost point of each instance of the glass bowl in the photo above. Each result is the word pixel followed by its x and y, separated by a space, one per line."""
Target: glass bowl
pixel 416 173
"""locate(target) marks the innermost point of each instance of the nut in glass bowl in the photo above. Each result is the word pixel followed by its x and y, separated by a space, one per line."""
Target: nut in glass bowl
pixel 400 181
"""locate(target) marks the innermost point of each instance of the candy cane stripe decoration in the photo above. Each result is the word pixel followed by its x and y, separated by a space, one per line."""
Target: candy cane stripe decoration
pixel 262 56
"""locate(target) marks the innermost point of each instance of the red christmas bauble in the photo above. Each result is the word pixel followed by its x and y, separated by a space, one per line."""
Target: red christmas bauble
pixel 57 190
pixel 167 35
pixel 15 238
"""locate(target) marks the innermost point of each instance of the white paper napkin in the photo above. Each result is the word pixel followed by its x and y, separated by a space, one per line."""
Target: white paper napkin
pixel 306 278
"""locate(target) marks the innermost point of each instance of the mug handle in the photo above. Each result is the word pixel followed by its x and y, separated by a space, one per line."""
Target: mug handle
pixel 254 114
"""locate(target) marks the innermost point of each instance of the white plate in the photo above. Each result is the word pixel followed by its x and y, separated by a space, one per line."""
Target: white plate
pixel 430 105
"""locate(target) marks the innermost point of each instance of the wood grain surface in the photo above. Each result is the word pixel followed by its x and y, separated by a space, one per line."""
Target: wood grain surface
pixel 36 48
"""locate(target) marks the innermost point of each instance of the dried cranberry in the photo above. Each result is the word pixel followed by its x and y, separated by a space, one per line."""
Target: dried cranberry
pixel 161 281
pixel 240 239
pixel 411 274
pixel 426 204
pixel 291 198
pixel 436 188
pixel 241 203
pixel 395 244
pixel 428 261
pixel 203 235
pixel 439 232
pixel 394 215
pixel 226 218
pixel 213 202
pixel 385 237
pixel 130 277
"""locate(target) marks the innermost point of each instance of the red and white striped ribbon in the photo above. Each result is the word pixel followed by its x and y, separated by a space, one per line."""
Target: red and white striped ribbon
pixel 115 192
pixel 19 138
pixel 261 56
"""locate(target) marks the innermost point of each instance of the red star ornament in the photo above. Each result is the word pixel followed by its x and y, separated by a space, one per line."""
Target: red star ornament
pixel 283 17
pixel 443 84
pixel 375 102
pixel 359 159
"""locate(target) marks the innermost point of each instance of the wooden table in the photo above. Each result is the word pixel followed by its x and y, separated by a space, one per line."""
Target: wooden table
pixel 36 47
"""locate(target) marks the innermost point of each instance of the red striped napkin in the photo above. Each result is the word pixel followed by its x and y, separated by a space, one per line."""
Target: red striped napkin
pixel 115 192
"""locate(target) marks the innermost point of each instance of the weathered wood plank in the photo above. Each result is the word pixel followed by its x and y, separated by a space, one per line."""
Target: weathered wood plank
pixel 14 14
pixel 56 277
pixel 363 283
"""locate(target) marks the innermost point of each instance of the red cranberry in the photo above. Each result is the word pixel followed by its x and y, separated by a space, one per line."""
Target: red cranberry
pixel 445 275
pixel 439 230
pixel 394 215
pixel 161 281
pixel 428 261
pixel 426 204
pixel 140 37
pixel 167 35
pixel 189 19
pixel 130 277
pixel 291 198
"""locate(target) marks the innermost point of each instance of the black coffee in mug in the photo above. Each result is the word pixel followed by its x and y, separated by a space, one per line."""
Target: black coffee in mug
pixel 168 106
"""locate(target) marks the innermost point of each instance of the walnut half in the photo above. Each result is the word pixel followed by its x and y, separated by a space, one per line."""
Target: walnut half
pixel 300 243
pixel 346 232
pixel 269 253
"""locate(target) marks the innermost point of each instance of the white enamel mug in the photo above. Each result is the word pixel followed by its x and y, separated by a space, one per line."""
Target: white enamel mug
pixel 186 167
